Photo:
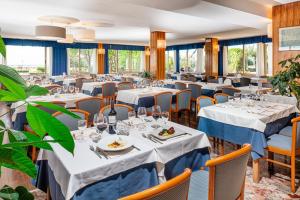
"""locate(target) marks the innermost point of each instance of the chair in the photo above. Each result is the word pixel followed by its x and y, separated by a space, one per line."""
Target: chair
pixel 225 179
pixel 121 109
pixel 164 100
pixel 51 87
pixel 123 79
pixel 183 103
pixel 192 78
pixel 79 82
pixel 204 101
pixel 129 79
pixel 227 81
pixel 180 86
pixel 125 86
pixel 54 89
pixel 196 92
pixel 92 105
pixel 267 85
pixel 69 121
pixel 286 143
pixel 244 81
pixel 230 91
pixel 108 92
pixel 221 98
pixel 58 103
pixel 175 189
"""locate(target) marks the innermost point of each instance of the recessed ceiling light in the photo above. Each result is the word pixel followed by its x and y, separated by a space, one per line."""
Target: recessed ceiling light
pixel 50 32
pixel 58 20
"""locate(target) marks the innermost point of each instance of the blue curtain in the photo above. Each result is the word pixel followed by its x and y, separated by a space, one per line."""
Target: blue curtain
pixel 126 47
pixel 106 63
pixel 220 61
pixel 248 40
pixel 177 61
pixel 59 61
pixel 185 46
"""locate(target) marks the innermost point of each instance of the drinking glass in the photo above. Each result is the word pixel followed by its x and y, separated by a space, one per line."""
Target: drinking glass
pixel 165 118
pixel 71 88
pixel 121 128
pixel 58 90
pixel 65 89
pixel 82 125
pixel 76 90
pixel 100 122
pixel 131 115
pixel 142 113
pixel 156 114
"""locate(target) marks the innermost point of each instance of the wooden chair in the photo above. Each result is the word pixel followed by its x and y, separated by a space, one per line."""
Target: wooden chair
pixel 225 179
pixel 204 101
pixel 108 92
pixel 196 92
pixel 180 86
pixel 183 103
pixel 125 86
pixel 221 98
pixel 287 145
pixel 69 121
pixel 175 189
pixel 230 90
pixel 164 100
pixel 53 86
pixel 92 105
pixel 121 109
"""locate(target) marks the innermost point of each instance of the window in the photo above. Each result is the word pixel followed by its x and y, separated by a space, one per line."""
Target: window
pixel 82 60
pixel 242 59
pixel 268 59
pixel 28 59
pixel 170 61
pixel 188 59
pixel 125 61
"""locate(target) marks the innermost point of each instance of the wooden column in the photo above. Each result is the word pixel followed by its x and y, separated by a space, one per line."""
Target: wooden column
pixel 211 56
pixel 100 56
pixel 157 55
pixel 286 15
pixel 147 59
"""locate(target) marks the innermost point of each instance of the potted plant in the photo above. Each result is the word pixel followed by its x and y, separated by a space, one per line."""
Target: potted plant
pixel 146 75
pixel 13 151
pixel 287 80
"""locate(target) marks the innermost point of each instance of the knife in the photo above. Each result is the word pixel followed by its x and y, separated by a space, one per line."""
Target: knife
pixel 102 152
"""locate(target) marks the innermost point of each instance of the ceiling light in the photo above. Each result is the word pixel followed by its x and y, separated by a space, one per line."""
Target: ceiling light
pixel 93 24
pixel 101 51
pixel 58 20
pixel 161 44
pixel 147 52
pixel 85 35
pixel 69 39
pixel 50 32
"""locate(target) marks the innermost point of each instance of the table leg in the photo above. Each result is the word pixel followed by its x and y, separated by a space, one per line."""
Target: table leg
pixel 255 165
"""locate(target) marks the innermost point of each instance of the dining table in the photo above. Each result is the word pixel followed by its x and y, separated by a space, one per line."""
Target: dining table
pixel 252 89
pixel 143 97
pixel 94 88
pixel 96 172
pixel 19 108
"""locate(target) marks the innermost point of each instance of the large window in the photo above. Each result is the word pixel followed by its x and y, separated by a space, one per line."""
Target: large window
pixel 82 60
pixel 125 61
pixel 28 59
pixel 268 59
pixel 188 59
pixel 242 59
pixel 170 61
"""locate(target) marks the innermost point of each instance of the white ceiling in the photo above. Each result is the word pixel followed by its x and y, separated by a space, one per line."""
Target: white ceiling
pixel 183 20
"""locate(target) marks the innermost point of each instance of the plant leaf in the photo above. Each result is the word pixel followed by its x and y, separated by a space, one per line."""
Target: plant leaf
pixel 24 193
pixel 13 87
pixel 36 90
pixel 42 122
pixel 2 47
pixel 57 108
pixel 8 96
pixel 12 74
pixel 8 193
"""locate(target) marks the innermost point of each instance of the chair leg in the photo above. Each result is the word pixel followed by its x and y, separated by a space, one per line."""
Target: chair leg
pixel 189 114
pixel 293 173
pixel 270 164
pixel 222 151
pixel 33 154
pixel 256 176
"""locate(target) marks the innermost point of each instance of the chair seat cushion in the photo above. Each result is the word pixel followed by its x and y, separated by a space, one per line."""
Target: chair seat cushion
pixel 280 141
pixel 286 131
pixel 199 185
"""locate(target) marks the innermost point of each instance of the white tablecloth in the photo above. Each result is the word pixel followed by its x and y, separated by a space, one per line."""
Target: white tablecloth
pixel 90 86
pixel 258 79
pixel 133 96
pixel 280 99
pixel 68 81
pixel 69 99
pixel 75 172
pixel 57 78
pixel 255 117
pixel 253 89
pixel 208 86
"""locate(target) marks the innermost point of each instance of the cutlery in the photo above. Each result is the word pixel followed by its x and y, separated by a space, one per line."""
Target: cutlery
pixel 155 139
pixel 93 150
pixel 136 148
pixel 147 137
pixel 102 152
pixel 180 135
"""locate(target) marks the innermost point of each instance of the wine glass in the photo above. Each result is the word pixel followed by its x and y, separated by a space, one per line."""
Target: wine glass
pixel 165 118
pixel 82 125
pixel 65 89
pixel 100 122
pixel 71 88
pixel 142 113
pixel 156 114
pixel 58 90
pixel 77 90
pixel 131 115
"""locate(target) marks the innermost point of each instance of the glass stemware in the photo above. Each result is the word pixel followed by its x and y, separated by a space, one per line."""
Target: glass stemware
pixel 142 113
pixel 65 89
pixel 100 122
pixel 71 88
pixel 77 90
pixel 82 125
pixel 165 118
pixel 156 114
pixel 131 115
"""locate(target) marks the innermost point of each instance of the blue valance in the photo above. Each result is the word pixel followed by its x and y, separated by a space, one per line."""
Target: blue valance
pixel 185 46
pixel 248 40
pixel 125 47
pixel 42 43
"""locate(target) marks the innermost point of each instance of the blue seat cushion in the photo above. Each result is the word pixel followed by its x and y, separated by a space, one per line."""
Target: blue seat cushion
pixel 286 131
pixel 199 185
pixel 280 141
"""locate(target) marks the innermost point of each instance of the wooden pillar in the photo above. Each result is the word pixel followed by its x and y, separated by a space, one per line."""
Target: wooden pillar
pixel 101 55
pixel 157 54
pixel 147 59
pixel 211 56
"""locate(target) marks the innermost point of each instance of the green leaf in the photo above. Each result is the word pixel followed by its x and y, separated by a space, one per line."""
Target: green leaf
pixel 24 193
pixel 36 90
pixel 57 108
pixel 42 122
pixel 15 159
pixel 12 74
pixel 13 87
pixel 2 47
pixel 8 96
pixel 8 193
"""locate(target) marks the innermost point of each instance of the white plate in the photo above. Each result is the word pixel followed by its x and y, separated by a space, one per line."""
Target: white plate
pixel 178 132
pixel 125 140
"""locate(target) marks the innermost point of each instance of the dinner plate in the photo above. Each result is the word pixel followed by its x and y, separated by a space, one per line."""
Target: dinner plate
pixel 125 141
pixel 178 132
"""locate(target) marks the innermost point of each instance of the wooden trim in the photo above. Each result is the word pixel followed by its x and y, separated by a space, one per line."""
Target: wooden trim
pixel 101 60
pixel 162 188
pixel 203 97
pixel 117 105
pixel 211 183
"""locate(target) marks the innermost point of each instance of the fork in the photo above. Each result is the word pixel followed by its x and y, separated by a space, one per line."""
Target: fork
pixel 93 150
